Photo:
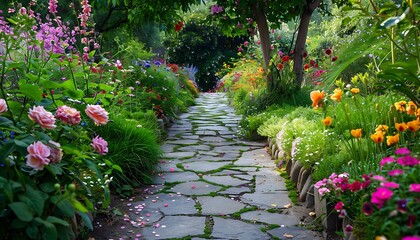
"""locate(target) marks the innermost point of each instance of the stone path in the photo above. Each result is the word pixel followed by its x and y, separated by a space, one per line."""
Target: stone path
pixel 211 185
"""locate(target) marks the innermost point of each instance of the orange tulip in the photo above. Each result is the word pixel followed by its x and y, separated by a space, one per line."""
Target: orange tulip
pixel 390 140
pixel 414 125
pixel 401 127
pixel 338 93
pixel 355 90
pixel 382 128
pixel 411 108
pixel 377 137
pixel 400 106
pixel 356 133
pixel 317 98
pixel 327 121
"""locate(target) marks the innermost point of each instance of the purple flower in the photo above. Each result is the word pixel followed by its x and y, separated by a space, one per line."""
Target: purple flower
pixel 402 151
pixel 216 9
pixel 402 205
pixel 386 161
pixel 367 208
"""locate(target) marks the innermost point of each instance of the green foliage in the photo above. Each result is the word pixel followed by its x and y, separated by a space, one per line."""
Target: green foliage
pixel 202 45
pixel 135 149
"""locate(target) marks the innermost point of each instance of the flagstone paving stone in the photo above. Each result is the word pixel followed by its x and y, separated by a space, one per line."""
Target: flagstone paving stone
pixel 208 174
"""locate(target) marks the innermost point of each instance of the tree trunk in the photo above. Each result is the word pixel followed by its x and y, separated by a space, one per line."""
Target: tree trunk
pixel 301 39
pixel 264 32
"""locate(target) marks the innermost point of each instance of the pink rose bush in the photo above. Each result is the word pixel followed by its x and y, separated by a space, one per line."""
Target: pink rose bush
pixel 97 114
pixel 39 115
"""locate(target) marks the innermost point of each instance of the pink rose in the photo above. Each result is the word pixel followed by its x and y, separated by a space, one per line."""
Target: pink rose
pixel 3 106
pixel 97 114
pixel 45 119
pixel 38 155
pixel 415 187
pixel 100 145
pixel 339 206
pixel 56 152
pixel 68 115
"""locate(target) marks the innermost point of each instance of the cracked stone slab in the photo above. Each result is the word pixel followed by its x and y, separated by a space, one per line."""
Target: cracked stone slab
pixel 167 147
pixel 236 190
pixel 253 158
pixel 227 172
pixel 231 149
pixel 212 139
pixel 206 133
pixel 204 166
pixel 179 154
pixel 168 166
pixel 271 218
pixel 176 227
pixel 269 183
pixel 235 229
pixel 219 205
pixel 184 142
pixel 267 200
pixel 195 188
pixel 298 233
pixel 175 177
pixel 212 128
pixel 195 148
pixel 169 204
pixel 226 180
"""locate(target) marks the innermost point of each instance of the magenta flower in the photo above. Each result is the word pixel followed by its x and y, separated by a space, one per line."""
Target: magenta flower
pixel 386 161
pixel 390 184
pixel 395 172
pixel 52 6
pixel 39 115
pixel 246 43
pixel 411 238
pixel 379 178
pixel 402 151
pixel 3 106
pixel 339 206
pixel 320 183
pixel 216 9
pixel 323 191
pixel 100 145
pixel 408 161
pixel 414 187
pixel 380 196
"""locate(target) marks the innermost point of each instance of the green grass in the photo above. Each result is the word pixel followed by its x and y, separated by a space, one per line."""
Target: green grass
pixel 135 150
pixel 269 227
pixel 237 215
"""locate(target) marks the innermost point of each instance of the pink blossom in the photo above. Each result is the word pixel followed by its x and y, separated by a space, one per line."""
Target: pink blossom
pixel 379 178
pixel 395 172
pixel 100 145
pixel 414 187
pixel 246 43
pixel 339 206
pixel 119 64
pixel 216 9
pixel 402 151
pixel 323 191
pixel 68 115
pixel 386 161
pixel 97 114
pixel 411 238
pixel 52 6
pixel 56 152
pixel 3 105
pixel 22 11
pixel 38 155
pixel 320 183
pixel 381 195
pixel 390 184
pixel 45 119
pixel 408 161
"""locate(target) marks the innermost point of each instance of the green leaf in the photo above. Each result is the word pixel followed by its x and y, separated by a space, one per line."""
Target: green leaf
pixel 32 231
pixel 47 187
pixel 49 231
pixel 31 91
pixel 22 211
pixel 86 220
pixel 63 205
pixel 118 168
pixel 18 65
pixel 21 143
pixel 75 94
pixel 17 224
pixel 37 198
pixel 48 84
pixel 392 21
pixel 92 53
pixel 105 87
pixel 57 220
pixel 78 206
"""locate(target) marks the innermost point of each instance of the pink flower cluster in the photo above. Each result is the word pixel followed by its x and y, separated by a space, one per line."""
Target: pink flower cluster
pixel 215 9
pixel 40 155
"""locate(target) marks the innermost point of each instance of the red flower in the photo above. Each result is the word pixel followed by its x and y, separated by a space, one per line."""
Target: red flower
pixel 312 63
pixel 306 66
pixel 333 59
pixel 339 206
pixel 328 51
pixel 355 186
pixel 285 59
pixel 305 54
pixel 367 208
pixel 280 66
pixel 179 26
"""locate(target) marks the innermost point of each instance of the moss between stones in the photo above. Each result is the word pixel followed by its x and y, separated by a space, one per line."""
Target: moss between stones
pixel 237 215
